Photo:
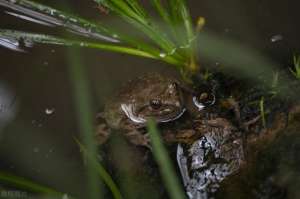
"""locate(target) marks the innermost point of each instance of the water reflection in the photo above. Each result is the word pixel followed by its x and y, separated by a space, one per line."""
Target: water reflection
pixel 8 105
pixel 10 43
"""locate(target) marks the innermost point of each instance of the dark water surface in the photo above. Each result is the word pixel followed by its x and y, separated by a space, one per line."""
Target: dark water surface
pixel 38 142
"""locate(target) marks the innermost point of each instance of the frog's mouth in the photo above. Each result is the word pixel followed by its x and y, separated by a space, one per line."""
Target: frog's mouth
pixel 159 117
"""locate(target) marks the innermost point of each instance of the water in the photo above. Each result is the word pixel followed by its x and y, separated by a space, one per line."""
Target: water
pixel 40 79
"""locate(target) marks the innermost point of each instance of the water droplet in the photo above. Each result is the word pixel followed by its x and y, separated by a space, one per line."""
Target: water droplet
pixel 162 54
pixel 51 12
pixel 73 20
pixel 49 111
pixel 62 16
pixel 276 38
pixel 172 51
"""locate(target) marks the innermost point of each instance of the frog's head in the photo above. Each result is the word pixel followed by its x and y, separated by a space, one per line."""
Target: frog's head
pixel 154 96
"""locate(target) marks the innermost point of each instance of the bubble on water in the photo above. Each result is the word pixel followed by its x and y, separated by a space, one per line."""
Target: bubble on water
pixel 276 38
pixel 49 111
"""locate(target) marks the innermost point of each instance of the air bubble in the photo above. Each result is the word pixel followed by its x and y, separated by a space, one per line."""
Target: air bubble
pixel 49 111
pixel 276 38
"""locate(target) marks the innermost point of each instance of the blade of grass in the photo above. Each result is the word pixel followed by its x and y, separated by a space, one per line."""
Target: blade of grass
pixel 82 99
pixel 262 111
pixel 28 185
pixel 59 18
pixel 47 39
pixel 165 165
pixel 77 25
pixel 143 23
pixel 161 10
pixel 165 15
pixel 180 16
pixel 104 175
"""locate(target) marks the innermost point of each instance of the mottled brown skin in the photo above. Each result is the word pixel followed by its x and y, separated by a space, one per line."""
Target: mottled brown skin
pixel 150 96
pixel 139 96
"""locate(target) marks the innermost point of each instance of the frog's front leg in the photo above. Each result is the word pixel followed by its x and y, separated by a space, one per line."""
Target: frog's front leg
pixel 137 137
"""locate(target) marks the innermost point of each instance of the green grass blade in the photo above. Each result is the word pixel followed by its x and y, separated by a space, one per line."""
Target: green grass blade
pixel 28 185
pixel 31 38
pixel 104 175
pixel 58 18
pixel 262 111
pixel 165 165
pixel 47 39
pixel 161 10
pixel 85 117
pixel 75 24
pixel 124 8
pixel 134 4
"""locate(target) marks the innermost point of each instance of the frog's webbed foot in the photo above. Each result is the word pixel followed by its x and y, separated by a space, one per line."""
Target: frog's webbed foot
pixel 102 131
pixel 139 139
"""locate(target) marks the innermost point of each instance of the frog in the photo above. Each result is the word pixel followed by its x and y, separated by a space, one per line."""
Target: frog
pixel 186 116
pixel 152 95
pixel 217 154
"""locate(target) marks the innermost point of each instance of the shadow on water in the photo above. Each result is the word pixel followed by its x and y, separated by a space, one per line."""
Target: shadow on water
pixel 36 141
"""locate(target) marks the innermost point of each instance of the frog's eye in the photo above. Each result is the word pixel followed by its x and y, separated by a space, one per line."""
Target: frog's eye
pixel 206 98
pixel 155 104
pixel 203 100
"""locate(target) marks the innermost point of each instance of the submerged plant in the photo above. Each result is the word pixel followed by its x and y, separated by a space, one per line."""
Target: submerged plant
pixel 172 37
pixel 296 70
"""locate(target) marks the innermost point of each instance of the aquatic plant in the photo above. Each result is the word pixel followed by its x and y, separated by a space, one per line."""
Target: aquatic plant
pixel 173 44
pixel 170 36
pixel 296 70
